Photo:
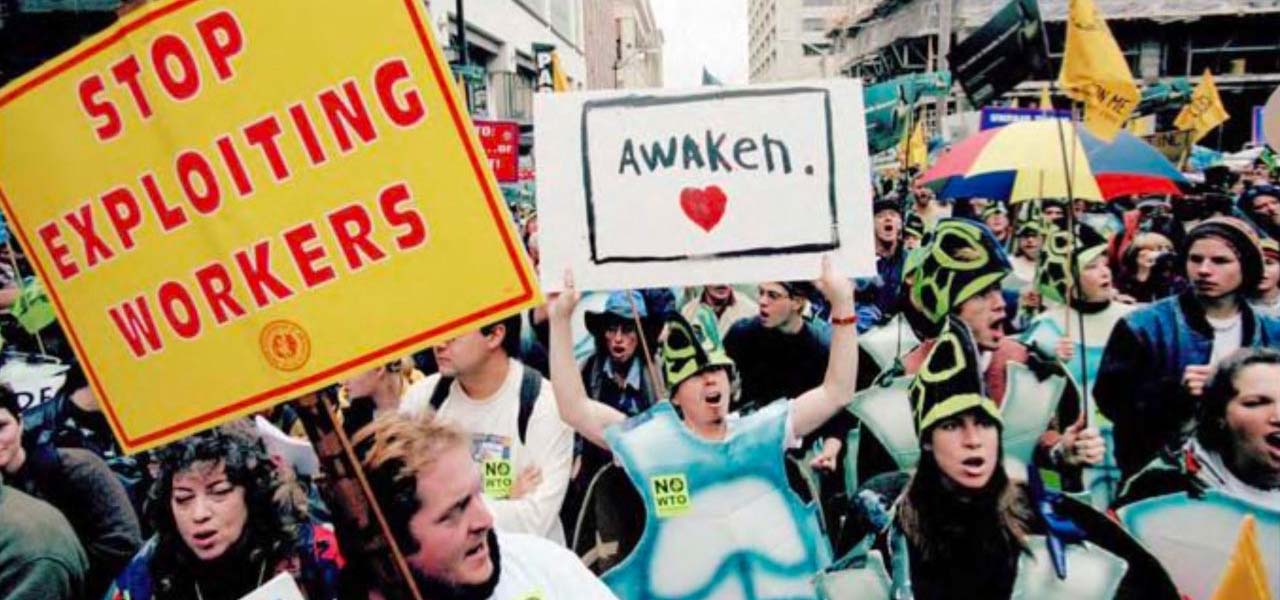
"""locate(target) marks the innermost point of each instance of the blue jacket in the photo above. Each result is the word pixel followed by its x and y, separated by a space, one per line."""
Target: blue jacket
pixel 1139 384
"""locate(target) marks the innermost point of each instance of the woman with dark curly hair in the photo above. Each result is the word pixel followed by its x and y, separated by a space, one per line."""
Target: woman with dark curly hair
pixel 226 522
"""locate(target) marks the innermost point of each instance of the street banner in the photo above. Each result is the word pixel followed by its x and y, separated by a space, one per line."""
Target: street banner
pixel 736 184
pixel 233 203
pixel 501 141
pixel 888 103
pixel 1095 72
pixel 1174 145
pixel 995 116
pixel 1164 95
pixel 1140 126
pixel 1006 51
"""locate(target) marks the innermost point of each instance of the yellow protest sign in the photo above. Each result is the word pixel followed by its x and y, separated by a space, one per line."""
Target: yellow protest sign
pixel 1173 145
pixel 1095 72
pixel 499 477
pixel 232 203
pixel 671 496
pixel 1204 112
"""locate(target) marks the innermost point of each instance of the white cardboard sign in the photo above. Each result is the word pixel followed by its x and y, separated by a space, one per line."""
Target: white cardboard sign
pixel 281 587
pixel 716 185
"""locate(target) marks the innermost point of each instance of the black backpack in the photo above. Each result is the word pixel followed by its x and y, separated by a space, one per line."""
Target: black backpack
pixel 530 385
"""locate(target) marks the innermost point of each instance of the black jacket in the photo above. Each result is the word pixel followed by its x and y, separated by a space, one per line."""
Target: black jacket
pixel 1139 385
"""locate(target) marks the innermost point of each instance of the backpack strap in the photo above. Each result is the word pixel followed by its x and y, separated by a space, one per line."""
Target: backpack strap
pixel 530 387
pixel 441 392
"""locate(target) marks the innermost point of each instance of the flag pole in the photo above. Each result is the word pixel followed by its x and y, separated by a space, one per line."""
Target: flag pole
pixel 356 509
pixel 1075 278
pixel 658 390
pixel 1068 167
pixel 907 209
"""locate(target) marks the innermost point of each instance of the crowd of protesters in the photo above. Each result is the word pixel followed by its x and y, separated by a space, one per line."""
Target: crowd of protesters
pixel 584 401
pixel 735 439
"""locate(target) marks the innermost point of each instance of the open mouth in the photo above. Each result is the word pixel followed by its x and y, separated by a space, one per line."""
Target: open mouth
pixel 1273 441
pixel 973 467
pixel 204 539
pixel 713 398
pixel 997 328
pixel 476 550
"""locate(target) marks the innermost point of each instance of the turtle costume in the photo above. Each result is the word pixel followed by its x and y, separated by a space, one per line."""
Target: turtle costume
pixel 720 519
pixel 922 540
pixel 1090 325
pixel 960 259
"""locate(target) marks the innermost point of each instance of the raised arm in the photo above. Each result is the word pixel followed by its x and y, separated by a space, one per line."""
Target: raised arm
pixel 586 416
pixel 816 406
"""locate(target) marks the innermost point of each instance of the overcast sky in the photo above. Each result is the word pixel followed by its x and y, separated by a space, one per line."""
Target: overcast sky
pixel 698 32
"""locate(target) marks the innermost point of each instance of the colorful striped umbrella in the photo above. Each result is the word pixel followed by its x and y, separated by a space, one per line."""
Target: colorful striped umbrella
pixel 1024 161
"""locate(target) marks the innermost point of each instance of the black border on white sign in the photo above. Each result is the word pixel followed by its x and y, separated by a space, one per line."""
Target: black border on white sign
pixel 642 101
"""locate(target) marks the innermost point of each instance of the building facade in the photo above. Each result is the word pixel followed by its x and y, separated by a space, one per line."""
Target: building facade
pixel 623 45
pixel 787 39
pixel 1162 39
pixel 500 39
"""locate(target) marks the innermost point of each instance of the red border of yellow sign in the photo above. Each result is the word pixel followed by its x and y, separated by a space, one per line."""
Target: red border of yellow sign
pixel 442 78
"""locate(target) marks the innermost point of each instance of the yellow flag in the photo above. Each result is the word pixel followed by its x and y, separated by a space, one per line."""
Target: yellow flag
pixel 914 149
pixel 1095 72
pixel 1144 125
pixel 1245 578
pixel 559 81
pixel 1046 101
pixel 1205 112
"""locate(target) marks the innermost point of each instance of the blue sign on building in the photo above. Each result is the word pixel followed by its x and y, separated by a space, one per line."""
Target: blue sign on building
pixel 993 117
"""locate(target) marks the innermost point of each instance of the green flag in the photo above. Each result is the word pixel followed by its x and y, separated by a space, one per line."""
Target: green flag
pixel 32 308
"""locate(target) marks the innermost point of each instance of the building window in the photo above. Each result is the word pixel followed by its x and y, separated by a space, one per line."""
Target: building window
pixel 817 49
pixel 814 24
pixel 562 18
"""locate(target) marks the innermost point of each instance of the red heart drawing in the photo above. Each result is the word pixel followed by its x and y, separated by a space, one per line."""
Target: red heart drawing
pixel 705 207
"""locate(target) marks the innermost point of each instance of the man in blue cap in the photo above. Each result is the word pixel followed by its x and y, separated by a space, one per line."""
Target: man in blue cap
pixel 615 373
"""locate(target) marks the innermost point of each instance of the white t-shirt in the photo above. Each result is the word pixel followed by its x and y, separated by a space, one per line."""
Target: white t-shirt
pixel 493 425
pixel 535 569
pixel 1227 336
